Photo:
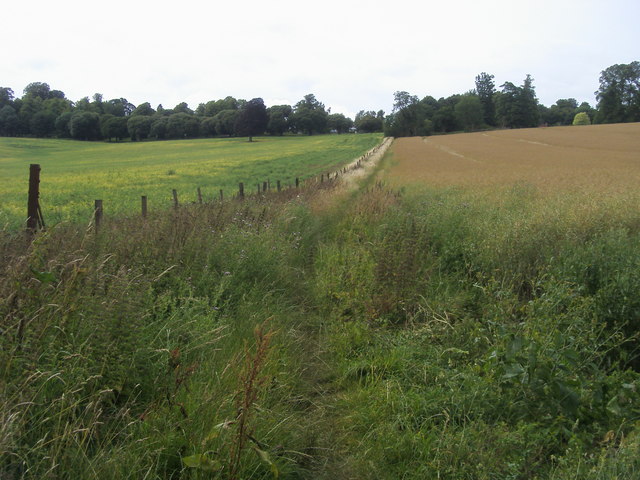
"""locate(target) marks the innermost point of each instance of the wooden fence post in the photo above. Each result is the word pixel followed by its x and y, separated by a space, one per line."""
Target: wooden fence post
pixel 221 195
pixel 34 213
pixel 175 198
pixel 199 196
pixel 97 214
pixel 297 182
pixel 278 185
pixel 241 190
pixel 144 206
pixel 264 186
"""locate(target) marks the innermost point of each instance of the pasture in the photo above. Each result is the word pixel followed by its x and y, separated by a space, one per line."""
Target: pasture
pixel 74 174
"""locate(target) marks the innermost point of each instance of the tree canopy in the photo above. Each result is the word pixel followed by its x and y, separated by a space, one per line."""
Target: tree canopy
pixel 46 112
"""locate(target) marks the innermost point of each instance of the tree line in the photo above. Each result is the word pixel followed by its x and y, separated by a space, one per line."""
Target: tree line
pixel 515 106
pixel 44 112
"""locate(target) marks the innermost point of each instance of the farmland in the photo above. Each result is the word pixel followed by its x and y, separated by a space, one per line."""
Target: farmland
pixel 450 318
pixel 74 174
pixel 600 158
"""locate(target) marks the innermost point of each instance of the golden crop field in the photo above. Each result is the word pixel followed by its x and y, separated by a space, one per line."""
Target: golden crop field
pixel 600 158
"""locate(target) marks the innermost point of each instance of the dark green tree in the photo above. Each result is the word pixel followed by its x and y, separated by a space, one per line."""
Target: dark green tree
pixel 182 108
pixel 619 94
pixel 85 126
pixel 369 121
pixel 486 89
pixel 444 119
pixel 143 109
pixel 337 122
pixel 225 122
pixel 139 126
pixel 310 116
pixel 208 126
pixel 252 119
pixel 469 112
pixel 561 112
pixel 9 123
pixel 43 123
pixel 517 107
pixel 279 119
pixel 407 120
pixel 63 125
pixel 6 97
pixel 182 125
pixel 37 89
pixel 159 127
pixel 118 107
pixel 113 127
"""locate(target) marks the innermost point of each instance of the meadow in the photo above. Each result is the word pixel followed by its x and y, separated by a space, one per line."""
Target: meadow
pixel 403 329
pixel 74 174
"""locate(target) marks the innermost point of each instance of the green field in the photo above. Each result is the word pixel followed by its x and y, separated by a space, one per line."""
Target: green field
pixel 74 174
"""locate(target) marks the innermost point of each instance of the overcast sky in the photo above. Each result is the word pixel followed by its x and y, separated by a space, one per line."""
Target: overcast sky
pixel 351 54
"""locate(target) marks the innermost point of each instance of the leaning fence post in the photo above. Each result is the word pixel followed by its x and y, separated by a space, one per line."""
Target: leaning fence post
pixel 34 214
pixel 144 206
pixel 175 198
pixel 97 214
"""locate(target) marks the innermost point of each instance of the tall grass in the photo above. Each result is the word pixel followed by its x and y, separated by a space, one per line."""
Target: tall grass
pixel 424 333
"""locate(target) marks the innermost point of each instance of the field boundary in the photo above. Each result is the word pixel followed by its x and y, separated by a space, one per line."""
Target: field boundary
pixel 356 169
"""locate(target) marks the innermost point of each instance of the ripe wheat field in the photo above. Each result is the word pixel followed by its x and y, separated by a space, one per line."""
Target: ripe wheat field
pixel 599 159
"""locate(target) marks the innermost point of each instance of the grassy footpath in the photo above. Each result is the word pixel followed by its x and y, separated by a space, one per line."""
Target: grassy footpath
pixel 74 174
pixel 429 333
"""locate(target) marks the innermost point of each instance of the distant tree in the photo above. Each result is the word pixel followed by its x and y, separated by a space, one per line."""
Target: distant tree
pixel 182 125
pixel 63 125
pixel 469 112
pixel 619 94
pixel 6 97
pixel 339 123
pixel 208 126
pixel 279 119
pixel 43 123
pixel 118 107
pixel 159 127
pixel 29 106
pixel 85 126
pixel 225 122
pixel 369 121
pixel 309 115
pixel 407 121
pixel 84 105
pixel 113 127
pixel 9 123
pixel 139 126
pixel 182 108
pixel 37 89
pixel 143 109
pixel 581 118
pixel 486 89
pixel 252 119
pixel 444 118
pixel 517 107
pixel 561 112
pixel 57 105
